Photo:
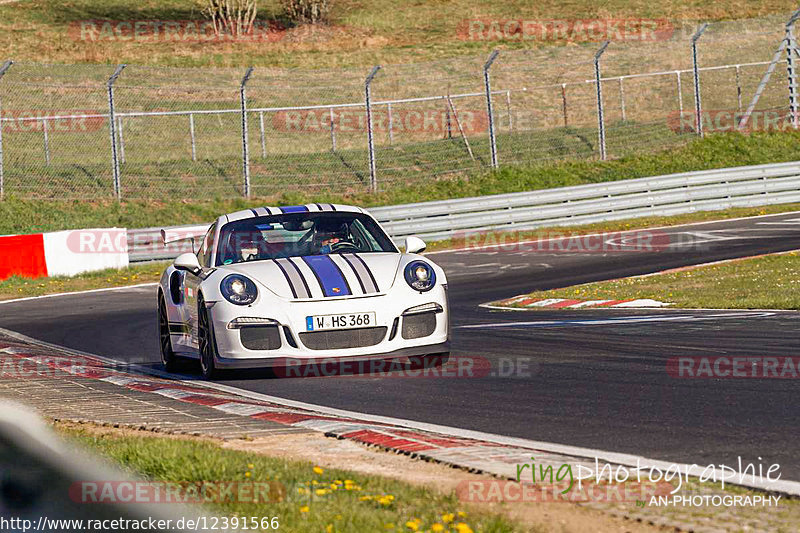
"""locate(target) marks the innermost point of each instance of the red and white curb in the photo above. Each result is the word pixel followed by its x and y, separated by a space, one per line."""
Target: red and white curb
pixel 474 450
pixel 525 302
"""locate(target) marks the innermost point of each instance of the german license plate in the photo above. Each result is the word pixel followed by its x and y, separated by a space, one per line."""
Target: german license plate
pixel 342 321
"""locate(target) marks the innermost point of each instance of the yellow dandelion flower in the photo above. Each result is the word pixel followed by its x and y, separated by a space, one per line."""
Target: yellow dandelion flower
pixel 412 526
pixel 318 470
pixel 437 527
pixel 461 527
pixel 329 528
pixel 321 492
pixel 304 509
pixel 462 514
pixel 448 517
pixel 247 474
pixel 251 466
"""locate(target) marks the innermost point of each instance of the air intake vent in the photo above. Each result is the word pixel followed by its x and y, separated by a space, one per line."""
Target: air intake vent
pixel 343 338
pixel 261 337
pixel 419 325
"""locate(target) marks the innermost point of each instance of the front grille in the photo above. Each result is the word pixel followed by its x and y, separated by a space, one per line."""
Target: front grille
pixel 421 325
pixel 261 337
pixel 343 338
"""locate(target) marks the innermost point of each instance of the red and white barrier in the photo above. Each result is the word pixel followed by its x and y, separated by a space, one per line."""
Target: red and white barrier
pixel 63 253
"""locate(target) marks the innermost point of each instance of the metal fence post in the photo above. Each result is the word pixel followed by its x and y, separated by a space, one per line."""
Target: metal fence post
pixel 192 137
pixel 3 69
pixel 391 122
pixel 245 152
pixel 112 126
pixel 791 67
pixel 508 109
pixel 333 131
pixel 46 136
pixel 263 134
pixel 738 89
pixel 622 99
pixel 698 107
pixel 564 103
pixel 373 182
pixel 121 140
pixel 680 92
pixel 601 127
pixel 487 82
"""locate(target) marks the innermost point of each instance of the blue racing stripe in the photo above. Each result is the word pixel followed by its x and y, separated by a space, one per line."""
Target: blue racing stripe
pixel 330 277
pixel 294 209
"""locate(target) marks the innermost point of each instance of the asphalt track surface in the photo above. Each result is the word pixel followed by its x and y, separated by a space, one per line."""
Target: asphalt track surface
pixel 590 378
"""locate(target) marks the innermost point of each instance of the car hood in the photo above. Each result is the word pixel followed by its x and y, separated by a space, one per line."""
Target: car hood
pixel 322 275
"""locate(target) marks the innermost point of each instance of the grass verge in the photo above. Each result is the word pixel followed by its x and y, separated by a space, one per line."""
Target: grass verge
pixel 315 499
pixel 360 32
pixel 17 287
pixel 714 151
pixel 768 282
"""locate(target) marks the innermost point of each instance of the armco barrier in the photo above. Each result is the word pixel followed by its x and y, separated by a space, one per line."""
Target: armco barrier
pixel 672 194
pixel 63 253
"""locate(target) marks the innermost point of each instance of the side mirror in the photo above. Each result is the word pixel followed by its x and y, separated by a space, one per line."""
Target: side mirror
pixel 415 245
pixel 187 262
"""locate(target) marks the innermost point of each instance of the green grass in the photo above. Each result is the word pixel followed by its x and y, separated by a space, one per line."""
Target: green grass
pixel 715 151
pixel 361 32
pixel 18 287
pixel 359 503
pixel 769 282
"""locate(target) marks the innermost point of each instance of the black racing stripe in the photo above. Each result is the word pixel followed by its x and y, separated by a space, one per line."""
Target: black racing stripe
pixel 299 273
pixel 288 279
pixel 332 207
pixel 369 271
pixel 318 207
pixel 358 277
pixel 254 211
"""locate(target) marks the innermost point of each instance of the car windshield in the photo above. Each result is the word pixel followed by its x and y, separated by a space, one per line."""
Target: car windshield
pixel 300 234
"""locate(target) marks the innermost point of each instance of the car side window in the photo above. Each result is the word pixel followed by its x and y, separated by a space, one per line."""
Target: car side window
pixel 204 254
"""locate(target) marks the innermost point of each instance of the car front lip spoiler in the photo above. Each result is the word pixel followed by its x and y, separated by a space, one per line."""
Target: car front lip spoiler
pixel 228 363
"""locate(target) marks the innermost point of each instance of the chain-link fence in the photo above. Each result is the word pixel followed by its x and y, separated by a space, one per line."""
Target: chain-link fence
pixel 105 131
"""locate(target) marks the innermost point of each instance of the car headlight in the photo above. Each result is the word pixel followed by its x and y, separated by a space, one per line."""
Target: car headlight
pixel 420 276
pixel 238 289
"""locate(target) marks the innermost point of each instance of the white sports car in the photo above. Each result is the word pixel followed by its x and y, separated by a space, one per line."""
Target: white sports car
pixel 302 283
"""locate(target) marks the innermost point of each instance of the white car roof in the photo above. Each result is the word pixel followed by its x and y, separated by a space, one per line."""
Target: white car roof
pixel 309 208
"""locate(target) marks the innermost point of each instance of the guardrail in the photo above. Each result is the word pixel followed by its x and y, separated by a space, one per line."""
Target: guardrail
pixel 671 194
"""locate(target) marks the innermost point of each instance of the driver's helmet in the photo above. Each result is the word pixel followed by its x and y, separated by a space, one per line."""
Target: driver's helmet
pixel 328 233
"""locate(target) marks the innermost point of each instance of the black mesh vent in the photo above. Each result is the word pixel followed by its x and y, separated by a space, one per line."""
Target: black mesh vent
pixel 261 337
pixel 343 338
pixel 421 325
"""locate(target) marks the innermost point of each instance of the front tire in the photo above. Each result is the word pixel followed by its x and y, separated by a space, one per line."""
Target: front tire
pixel 168 357
pixel 206 342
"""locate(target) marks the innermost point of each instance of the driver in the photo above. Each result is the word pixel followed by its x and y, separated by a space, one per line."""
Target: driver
pixel 329 237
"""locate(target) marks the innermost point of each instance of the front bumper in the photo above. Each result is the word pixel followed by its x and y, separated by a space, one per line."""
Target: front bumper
pixel 290 317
